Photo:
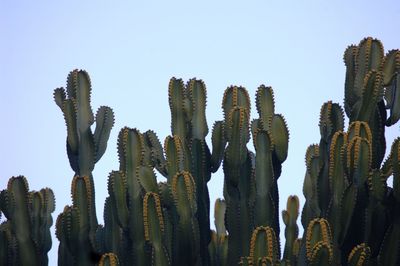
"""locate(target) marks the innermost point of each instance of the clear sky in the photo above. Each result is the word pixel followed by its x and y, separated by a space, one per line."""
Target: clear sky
pixel 132 48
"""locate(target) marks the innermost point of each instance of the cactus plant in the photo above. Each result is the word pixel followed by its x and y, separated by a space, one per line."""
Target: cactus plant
pixel 25 236
pixel 351 214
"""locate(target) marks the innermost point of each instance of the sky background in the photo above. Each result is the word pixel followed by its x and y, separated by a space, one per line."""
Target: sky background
pixel 131 50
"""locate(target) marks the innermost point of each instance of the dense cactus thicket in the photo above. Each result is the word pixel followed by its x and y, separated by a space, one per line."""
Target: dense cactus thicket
pixel 351 215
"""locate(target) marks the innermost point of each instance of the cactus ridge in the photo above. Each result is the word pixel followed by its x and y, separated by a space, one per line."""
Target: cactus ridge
pixel 390 65
pixel 156 199
pixel 365 58
pixel 269 241
pixel 359 255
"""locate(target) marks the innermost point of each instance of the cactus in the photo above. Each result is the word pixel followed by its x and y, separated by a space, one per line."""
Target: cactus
pixel 25 235
pixel 351 215
pixel 84 149
pixel 356 202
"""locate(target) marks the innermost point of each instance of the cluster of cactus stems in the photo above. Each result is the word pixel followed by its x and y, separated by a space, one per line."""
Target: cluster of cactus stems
pixel 25 237
pixel 351 216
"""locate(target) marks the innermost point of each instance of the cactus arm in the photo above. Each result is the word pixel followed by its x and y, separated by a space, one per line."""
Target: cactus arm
pixel 359 255
pixel 235 97
pixel 291 231
pixel 265 105
pixel 104 124
pixel 218 144
pixel 219 216
pixel 369 56
pixel 186 227
pixel 351 96
pixel 264 177
pixel 59 97
pixel 109 259
pixel 392 96
pixel 176 96
pixel 264 243
pixel 319 248
pixel 117 189
pixel 280 135
pixel 200 158
pixel 69 110
pixel 147 178
pixel 390 65
pixel 238 124
pixel 372 93
pixel 197 95
pixel 49 205
pixel 157 154
pixel 20 220
pixel 112 234
pixel 154 229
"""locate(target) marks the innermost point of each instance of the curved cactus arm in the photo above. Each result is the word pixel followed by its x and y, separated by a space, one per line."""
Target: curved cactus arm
pixel 321 254
pixel 109 259
pixel 157 153
pixel 359 129
pixel 390 65
pixel 359 160
pixel 280 135
pixel 351 96
pixel 218 145
pixel 69 110
pixel 265 105
pixel 59 97
pixel 392 96
pixel 391 79
pixel 371 94
pixel 369 56
pixel 177 156
pixel 319 248
pixel 235 96
pixel 104 124
pixel 117 189
pixel 331 120
pixel 359 256
pixel 154 229
pixel 147 178
pixel 264 243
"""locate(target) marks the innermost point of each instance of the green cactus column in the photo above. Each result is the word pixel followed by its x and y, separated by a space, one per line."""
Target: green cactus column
pixel 25 236
pixel 84 149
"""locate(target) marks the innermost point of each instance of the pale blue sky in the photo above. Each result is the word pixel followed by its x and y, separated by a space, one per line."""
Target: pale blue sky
pixel 131 50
